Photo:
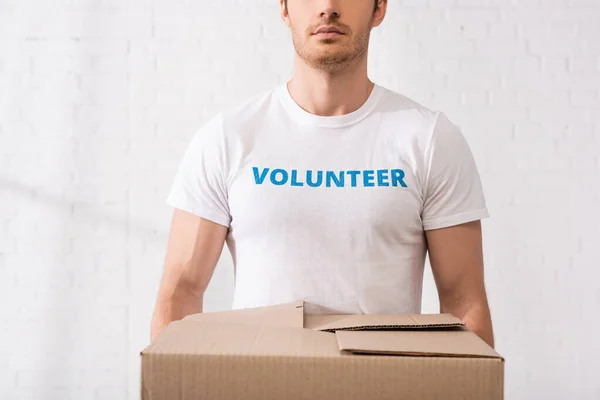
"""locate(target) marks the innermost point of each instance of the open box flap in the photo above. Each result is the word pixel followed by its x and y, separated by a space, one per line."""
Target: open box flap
pixel 284 315
pixel 211 338
pixel 448 343
pixel 333 323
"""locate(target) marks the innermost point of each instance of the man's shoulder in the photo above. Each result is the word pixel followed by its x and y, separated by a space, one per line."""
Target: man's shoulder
pixel 249 109
pixel 403 105
pixel 238 116
pixel 407 119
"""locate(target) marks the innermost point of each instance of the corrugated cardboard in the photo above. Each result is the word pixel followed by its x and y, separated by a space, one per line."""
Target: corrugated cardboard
pixel 289 315
pixel 280 353
pixel 334 323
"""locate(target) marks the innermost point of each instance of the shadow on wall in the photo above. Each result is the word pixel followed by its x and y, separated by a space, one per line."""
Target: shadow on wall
pixel 87 211
pixel 82 313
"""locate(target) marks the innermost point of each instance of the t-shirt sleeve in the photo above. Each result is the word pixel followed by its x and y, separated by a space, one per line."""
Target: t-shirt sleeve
pixel 453 191
pixel 200 185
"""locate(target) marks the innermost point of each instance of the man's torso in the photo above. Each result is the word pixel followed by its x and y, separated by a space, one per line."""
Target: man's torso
pixel 328 214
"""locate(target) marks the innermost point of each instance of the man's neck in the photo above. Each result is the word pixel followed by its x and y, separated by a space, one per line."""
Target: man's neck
pixel 326 94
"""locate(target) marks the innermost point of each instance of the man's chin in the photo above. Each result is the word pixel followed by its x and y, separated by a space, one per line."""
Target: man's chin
pixel 330 55
pixel 323 58
pixel 328 62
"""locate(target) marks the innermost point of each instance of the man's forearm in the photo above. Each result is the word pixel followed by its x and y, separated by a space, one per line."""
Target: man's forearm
pixel 476 316
pixel 174 308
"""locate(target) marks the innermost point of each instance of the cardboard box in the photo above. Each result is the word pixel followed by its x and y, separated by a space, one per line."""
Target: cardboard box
pixel 280 353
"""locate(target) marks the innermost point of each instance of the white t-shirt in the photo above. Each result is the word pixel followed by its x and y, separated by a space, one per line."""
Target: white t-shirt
pixel 329 210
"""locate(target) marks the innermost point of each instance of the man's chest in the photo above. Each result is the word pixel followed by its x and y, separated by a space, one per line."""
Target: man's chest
pixel 361 180
pixel 270 195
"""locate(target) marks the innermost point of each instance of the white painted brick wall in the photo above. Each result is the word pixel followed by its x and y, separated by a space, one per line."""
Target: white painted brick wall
pixel 98 100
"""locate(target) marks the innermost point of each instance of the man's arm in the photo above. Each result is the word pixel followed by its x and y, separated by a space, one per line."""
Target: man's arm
pixel 193 250
pixel 456 258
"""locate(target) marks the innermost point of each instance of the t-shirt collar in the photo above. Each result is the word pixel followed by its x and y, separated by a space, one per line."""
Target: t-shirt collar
pixel 336 121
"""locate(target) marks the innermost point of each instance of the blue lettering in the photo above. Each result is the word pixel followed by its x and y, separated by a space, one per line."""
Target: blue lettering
pixel 295 179
pixel 353 175
pixel 382 177
pixel 259 179
pixel 309 180
pixel 368 177
pixel 397 177
pixel 284 177
pixel 338 182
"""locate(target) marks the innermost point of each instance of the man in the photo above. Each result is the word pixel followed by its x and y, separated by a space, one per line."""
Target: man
pixel 328 189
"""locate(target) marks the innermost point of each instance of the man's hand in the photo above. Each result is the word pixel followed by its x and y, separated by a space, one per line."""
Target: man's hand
pixel 456 258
